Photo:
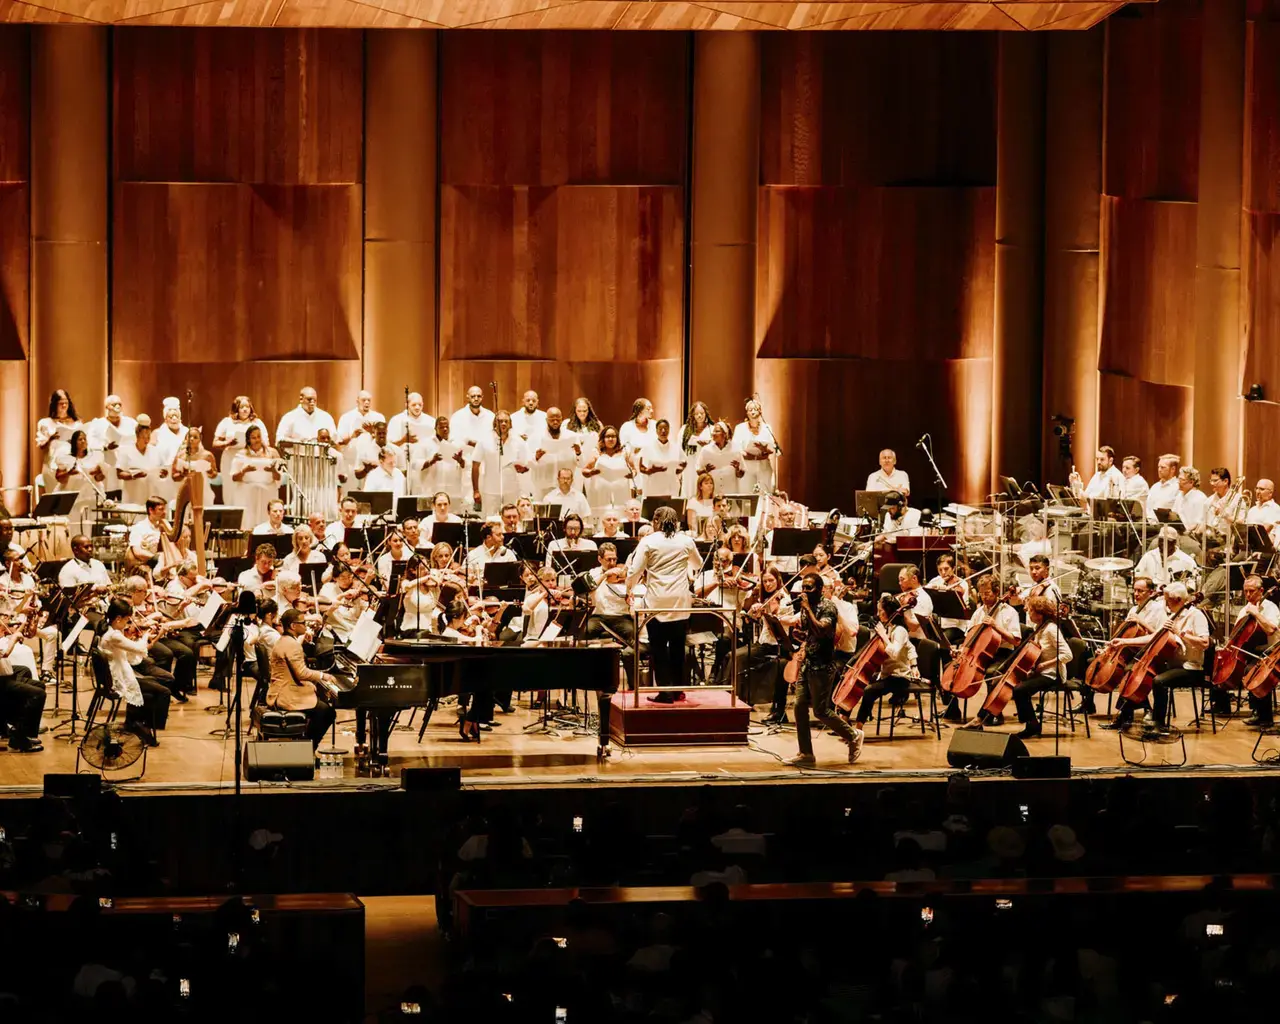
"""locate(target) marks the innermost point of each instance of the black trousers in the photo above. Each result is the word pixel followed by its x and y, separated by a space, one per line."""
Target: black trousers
pixel 1024 697
pixel 319 719
pixel 601 627
pixel 156 698
pixel 1261 706
pixel 666 651
pixel 1166 681
pixel 22 702
pixel 895 686
pixel 815 691
pixel 176 655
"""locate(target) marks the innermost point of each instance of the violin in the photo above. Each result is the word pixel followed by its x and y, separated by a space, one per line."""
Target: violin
pixel 1020 667
pixel 1163 645
pixel 866 664
pixel 963 676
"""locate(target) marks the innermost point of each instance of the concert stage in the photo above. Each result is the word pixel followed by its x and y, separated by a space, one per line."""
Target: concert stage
pixel 519 752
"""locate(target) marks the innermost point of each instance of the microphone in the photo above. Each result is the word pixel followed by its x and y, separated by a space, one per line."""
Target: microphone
pixel 493 383
pixel 923 439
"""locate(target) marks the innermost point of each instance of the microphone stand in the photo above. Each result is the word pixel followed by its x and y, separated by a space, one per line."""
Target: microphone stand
pixel 924 444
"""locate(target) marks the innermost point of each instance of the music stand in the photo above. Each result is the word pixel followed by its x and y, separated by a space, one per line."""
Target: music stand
pixel 576 563
pixel 282 542
pixel 867 504
pixel 312 573
pixel 231 568
pixel 525 545
pixel 498 575
pixel 791 541
pixel 47 572
pixel 651 504
pixel 947 604
pixel 630 528
pixel 359 537
pixel 546 510
pixel 742 506
pixel 55 504
pixel 377 502
pixel 1255 537
pixel 448 533
pixel 625 546
pixel 412 506
pixel 223 517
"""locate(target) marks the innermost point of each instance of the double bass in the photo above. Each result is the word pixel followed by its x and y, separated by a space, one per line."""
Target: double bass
pixel 865 667
pixel 1020 668
pixel 1162 645
pixel 963 676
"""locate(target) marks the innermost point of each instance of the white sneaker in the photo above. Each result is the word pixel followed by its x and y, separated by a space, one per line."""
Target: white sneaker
pixel 803 761
pixel 855 745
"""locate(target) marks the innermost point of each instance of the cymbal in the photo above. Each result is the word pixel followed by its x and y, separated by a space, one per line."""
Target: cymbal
pixel 1109 564
pixel 1065 563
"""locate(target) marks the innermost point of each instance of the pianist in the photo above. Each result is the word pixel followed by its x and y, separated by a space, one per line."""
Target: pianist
pixel 294 686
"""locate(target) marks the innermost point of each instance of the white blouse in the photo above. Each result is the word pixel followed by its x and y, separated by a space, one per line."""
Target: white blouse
pixel 122 654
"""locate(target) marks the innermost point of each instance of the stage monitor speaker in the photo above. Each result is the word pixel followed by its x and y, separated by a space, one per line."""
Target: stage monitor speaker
pixel 1042 768
pixel 279 760
pixel 974 748
pixel 80 785
pixel 431 780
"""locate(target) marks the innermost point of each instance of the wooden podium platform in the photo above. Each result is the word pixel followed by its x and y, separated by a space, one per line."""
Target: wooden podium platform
pixel 702 718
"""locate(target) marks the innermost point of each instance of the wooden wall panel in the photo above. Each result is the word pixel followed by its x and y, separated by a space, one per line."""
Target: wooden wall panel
pixel 250 272
pixel 612 387
pixel 15 103
pixel 1262 117
pixel 832 416
pixel 1148 290
pixel 272 386
pixel 15 258
pixel 1262 301
pixel 556 108
pixel 1153 101
pixel 282 106
pixel 1261 426
pixel 15 273
pixel 554 273
pixel 1138 417
pixel 844 272
pixel 891 108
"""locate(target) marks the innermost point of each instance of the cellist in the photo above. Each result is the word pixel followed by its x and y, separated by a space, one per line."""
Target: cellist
pixel 899 667
pixel 1268 617
pixel 1147 610
pixel 1004 620
pixel 1191 628
pixel 1051 666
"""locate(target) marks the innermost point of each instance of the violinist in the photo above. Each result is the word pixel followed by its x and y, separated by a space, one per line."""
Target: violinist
pixel 396 552
pixel 418 600
pixel 1259 607
pixel 770 604
pixel 947 579
pixel 909 583
pixel 135 677
pixel 185 591
pixel 1050 668
pixel 344 600
pixel 412 531
pixel 16 586
pixel 1040 586
pixel 1191 629
pixel 1166 561
pixel 540 600
pixel 181 678
pixel 304 551
pixel 1004 620
pixel 899 667
pixel 822 565
pixel 490 549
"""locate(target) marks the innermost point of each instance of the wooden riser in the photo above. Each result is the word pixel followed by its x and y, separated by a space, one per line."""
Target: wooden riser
pixel 701 719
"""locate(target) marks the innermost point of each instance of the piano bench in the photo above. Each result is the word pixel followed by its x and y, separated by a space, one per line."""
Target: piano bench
pixel 279 725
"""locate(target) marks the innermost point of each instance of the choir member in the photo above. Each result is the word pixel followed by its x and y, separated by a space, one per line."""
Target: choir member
pixel 53 432
pixel 168 440
pixel 193 457
pixel 274 524
pixel 636 432
pixel 556 448
pixel 500 466
pixel 80 470
pixel 529 422
pixel 306 421
pixel 695 434
pixel 228 441
pixel 109 433
pixel 138 465
pixel 365 451
pixel 754 438
pixel 584 422
pixel 887 477
pixel 441 463
pixel 723 460
pixel 255 471
pixel 472 423
pixel 662 463
pixel 357 420
pixel 608 474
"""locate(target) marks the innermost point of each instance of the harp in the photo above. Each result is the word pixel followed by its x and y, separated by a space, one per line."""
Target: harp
pixel 190 495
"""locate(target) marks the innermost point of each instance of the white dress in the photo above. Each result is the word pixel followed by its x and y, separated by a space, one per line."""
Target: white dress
pixel 60 433
pixel 610 486
pixel 235 431
pixel 726 478
pixel 130 460
pixel 255 492
pixel 499 481
pixel 167 443
pixel 86 489
pixel 445 475
pixel 666 483
pixel 634 440
pixel 759 475
pixel 689 478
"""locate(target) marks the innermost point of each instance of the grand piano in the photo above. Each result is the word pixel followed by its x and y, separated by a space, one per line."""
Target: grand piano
pixel 411 673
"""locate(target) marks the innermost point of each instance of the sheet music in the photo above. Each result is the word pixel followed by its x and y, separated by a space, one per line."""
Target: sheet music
pixel 365 636
pixel 209 610
pixel 80 623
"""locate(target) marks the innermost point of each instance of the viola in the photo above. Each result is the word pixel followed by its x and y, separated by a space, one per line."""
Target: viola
pixel 1107 670
pixel 866 664
pixel 1020 668
pixel 964 675
pixel 1162 646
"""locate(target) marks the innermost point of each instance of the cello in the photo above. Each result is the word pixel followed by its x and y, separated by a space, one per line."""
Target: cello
pixel 1163 644
pixel 865 667
pixel 1107 670
pixel 1231 663
pixel 963 676
pixel 1264 674
pixel 1020 668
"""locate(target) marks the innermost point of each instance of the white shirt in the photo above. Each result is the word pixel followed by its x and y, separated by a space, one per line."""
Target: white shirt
pixel 1155 567
pixel 632 438
pixel 670 456
pixel 1003 615
pixel 144 530
pixel 1266 514
pixel 421 427
pixel 251 580
pixel 528 425
pixel 724 475
pixel 1162 494
pixel 1191 620
pixel 465 425
pixel 846 625
pixel 498 475
pixel 378 479
pixel 894 481
pixel 938 583
pixel 907 526
pixel 444 474
pixel 666 564
pixel 557 453
pixel 564 544
pixel 299 425
pixel 291 563
pixel 130 460
pixel 234 430
pixel 900 655
pixel 1267 612
pixel 77 574
pixel 342 617
pixel 923 606
pixel 1191 507
pixel 352 420
pixel 574 501
pixel 480 556
pixel 335 534
pixel 610 598
pixel 102 432
pixel 122 654
pixel 1134 488
pixel 1152 614
pixel 1107 483
pixel 1055 654
pixel 266 529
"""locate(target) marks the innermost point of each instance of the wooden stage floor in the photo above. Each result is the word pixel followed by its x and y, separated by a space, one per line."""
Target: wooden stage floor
pixel 190 758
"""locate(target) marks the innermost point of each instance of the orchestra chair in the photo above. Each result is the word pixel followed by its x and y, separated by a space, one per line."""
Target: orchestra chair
pixel 1202 693
pixel 1073 683
pixel 929 665
pixel 888 578
pixel 103 691
pixel 270 724
pixel 262 681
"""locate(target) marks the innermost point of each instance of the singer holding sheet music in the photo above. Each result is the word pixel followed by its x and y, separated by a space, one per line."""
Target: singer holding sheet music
pixel 80 470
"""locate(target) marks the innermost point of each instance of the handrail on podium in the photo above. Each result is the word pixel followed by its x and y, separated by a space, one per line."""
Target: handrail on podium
pixel 728 614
